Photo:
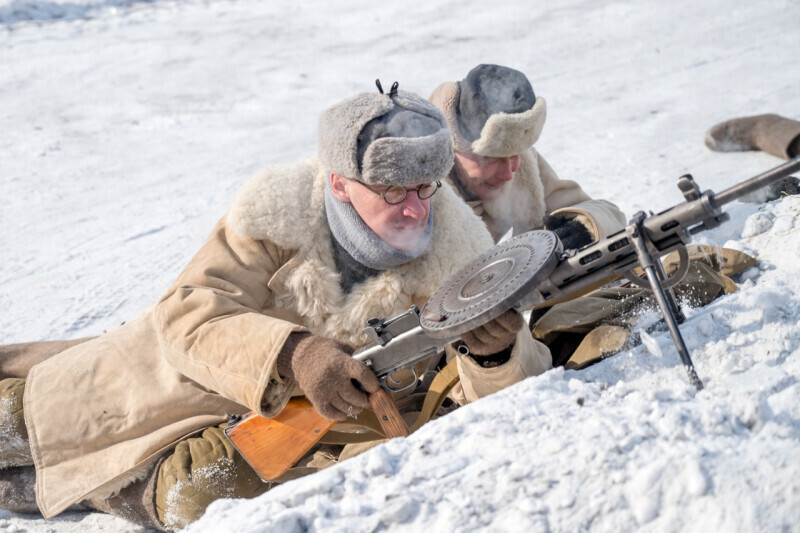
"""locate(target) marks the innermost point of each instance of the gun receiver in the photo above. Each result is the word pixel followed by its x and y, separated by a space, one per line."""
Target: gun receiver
pixel 398 343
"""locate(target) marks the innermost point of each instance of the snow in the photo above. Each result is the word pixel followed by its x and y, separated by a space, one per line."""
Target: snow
pixel 128 126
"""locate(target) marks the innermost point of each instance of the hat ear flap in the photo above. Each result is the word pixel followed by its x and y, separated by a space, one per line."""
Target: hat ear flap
pixel 510 134
pixel 409 160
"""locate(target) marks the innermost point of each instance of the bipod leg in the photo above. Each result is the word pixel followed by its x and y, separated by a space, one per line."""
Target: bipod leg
pixel 636 234
pixel 670 295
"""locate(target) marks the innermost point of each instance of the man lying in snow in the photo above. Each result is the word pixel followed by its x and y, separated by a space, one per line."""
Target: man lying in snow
pixel 271 306
pixel 496 118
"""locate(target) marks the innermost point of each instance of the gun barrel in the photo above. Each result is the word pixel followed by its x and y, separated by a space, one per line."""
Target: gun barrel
pixel 665 232
pixel 753 184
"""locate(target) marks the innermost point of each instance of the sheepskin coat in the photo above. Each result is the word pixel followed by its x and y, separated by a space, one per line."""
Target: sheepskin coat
pixel 535 192
pixel 100 413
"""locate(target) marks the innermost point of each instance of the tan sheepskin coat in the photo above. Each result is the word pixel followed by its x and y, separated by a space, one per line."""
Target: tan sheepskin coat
pixel 100 413
pixel 535 192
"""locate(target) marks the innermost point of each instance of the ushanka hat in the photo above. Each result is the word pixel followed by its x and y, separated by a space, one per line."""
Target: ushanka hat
pixel 397 138
pixel 492 112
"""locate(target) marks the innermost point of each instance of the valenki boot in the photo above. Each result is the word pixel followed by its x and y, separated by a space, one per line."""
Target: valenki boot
pixel 135 503
pixel 771 133
pixel 17 490
pixel 14 448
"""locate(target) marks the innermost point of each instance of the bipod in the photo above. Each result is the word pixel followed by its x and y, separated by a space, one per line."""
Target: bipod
pixel 664 296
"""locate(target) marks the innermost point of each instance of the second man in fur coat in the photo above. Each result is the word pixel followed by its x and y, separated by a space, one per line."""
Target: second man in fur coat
pixel 496 118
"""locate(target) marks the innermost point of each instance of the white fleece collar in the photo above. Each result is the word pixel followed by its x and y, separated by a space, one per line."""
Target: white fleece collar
pixel 285 205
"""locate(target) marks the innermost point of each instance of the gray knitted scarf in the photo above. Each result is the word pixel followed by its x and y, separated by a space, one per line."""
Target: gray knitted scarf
pixel 361 242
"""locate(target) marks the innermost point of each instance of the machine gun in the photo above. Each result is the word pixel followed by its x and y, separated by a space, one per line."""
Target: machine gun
pixel 645 239
pixel 531 270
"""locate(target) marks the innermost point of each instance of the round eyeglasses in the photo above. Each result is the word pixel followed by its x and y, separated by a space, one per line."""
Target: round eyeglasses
pixel 396 194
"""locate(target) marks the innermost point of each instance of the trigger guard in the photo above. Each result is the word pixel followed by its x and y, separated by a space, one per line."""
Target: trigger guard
pixel 412 383
pixel 671 281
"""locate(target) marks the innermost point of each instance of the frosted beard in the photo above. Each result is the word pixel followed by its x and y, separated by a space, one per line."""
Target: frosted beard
pixel 363 244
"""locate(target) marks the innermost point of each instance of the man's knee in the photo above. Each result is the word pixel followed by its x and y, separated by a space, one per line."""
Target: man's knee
pixel 199 471
pixel 14 447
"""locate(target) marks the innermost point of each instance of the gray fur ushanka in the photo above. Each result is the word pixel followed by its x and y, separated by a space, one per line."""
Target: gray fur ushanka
pixel 402 161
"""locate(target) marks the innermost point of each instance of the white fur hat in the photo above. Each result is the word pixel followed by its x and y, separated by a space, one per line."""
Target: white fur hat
pixel 492 112
pixel 397 138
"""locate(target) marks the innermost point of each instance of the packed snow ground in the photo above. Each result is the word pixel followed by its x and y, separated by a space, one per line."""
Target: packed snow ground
pixel 126 128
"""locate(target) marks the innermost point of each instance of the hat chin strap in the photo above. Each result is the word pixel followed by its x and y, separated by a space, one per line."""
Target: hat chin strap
pixel 363 244
pixel 510 134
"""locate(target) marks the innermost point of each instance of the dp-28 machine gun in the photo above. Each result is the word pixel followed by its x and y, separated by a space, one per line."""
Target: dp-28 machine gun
pixel 527 271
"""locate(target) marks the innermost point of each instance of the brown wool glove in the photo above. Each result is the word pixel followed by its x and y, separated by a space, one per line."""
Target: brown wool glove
pixel 326 373
pixel 494 336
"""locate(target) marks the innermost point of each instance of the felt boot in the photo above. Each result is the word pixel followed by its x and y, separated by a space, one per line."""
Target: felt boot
pixel 771 133
pixel 17 475
pixel 18 490
pixel 135 503
pixel 14 447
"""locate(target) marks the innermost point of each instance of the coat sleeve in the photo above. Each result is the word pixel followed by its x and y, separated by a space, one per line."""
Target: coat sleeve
pixel 529 357
pixel 565 197
pixel 211 327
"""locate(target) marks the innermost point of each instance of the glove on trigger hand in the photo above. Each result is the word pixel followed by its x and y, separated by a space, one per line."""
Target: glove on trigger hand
pixel 572 233
pixel 494 336
pixel 331 379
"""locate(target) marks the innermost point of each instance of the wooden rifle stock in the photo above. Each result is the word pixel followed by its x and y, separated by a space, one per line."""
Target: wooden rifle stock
pixel 392 423
pixel 273 445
